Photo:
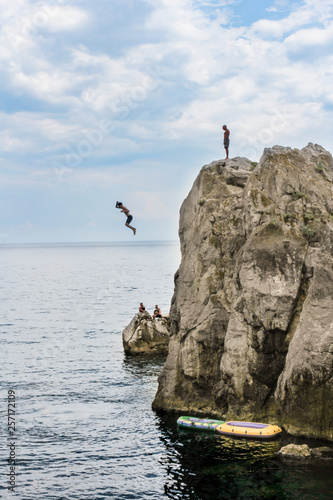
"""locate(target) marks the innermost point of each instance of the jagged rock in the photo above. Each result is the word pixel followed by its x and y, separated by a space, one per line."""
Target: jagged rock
pixel 146 335
pixel 236 171
pixel 295 450
pixel 252 313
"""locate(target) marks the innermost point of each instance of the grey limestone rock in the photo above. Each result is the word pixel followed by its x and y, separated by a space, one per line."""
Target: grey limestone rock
pixel 252 312
pixel 145 335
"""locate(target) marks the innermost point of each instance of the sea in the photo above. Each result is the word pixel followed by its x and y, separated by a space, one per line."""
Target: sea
pixel 76 415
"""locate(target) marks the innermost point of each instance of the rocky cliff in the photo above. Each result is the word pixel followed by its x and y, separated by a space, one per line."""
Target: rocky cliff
pixel 252 313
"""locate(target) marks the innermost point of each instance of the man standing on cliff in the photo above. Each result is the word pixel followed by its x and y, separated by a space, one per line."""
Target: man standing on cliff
pixel 226 140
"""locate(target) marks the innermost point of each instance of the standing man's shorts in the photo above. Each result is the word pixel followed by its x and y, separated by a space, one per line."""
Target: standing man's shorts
pixel 129 219
pixel 226 143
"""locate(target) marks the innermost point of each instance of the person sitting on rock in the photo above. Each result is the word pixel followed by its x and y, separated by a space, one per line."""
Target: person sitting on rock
pixel 157 312
pixel 142 308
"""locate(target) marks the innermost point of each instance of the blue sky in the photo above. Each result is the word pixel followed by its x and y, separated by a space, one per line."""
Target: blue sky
pixel 124 100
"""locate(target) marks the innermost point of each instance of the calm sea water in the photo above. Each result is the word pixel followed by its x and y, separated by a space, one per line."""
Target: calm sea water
pixel 84 424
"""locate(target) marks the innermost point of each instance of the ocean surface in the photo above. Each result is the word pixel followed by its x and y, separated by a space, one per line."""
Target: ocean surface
pixel 82 426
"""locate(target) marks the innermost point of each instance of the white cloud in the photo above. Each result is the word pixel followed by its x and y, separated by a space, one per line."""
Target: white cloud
pixel 307 38
pixel 154 205
pixel 59 19
pixel 280 5
pixel 11 143
pixel 98 176
pixel 27 62
pixel 268 28
pixel 33 130
pixel 10 9
pixel 118 81
pixel 41 83
pixel 26 23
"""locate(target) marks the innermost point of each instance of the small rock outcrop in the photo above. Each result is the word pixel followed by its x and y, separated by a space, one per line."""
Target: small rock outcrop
pixel 252 313
pixel 304 451
pixel 145 335
pixel 295 450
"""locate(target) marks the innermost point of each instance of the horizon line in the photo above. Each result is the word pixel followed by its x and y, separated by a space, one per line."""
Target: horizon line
pixel 120 242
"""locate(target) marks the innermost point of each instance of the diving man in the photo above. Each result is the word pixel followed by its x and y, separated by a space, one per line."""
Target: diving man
pixel 127 213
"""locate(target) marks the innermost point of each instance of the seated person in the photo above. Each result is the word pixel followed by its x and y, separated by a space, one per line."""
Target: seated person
pixel 142 308
pixel 157 312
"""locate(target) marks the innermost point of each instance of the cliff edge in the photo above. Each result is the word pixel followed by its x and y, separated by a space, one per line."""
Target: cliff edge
pixel 252 313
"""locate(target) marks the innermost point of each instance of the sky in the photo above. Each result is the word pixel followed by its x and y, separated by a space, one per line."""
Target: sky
pixel 124 100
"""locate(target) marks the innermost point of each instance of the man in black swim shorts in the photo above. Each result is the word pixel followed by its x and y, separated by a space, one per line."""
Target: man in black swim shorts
pixel 127 213
pixel 157 312
pixel 226 140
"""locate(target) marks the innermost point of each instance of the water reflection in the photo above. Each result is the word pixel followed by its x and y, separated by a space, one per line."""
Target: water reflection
pixel 204 465
pixel 142 371
pixel 141 365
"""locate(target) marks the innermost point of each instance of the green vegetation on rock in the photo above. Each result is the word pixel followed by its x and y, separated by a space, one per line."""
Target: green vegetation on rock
pixel 289 216
pixel 297 195
pixel 308 231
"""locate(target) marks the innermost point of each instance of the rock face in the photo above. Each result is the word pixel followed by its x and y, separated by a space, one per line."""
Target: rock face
pixel 252 313
pixel 146 335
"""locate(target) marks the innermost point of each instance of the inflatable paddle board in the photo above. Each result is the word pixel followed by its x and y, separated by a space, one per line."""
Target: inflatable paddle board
pixel 249 429
pixel 205 424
